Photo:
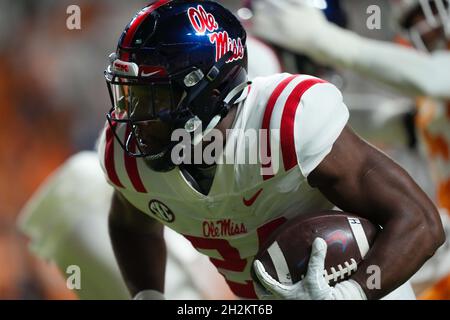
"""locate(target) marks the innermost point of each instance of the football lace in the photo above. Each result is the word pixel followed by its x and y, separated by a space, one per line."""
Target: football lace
pixel 339 272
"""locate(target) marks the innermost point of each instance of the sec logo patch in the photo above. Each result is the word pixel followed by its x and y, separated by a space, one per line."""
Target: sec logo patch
pixel 160 210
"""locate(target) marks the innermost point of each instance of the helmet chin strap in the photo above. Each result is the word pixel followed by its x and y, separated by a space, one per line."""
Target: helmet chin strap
pixel 235 96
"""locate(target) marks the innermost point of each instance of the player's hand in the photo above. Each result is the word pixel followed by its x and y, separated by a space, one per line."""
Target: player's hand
pixel 262 293
pixel 313 286
pixel 288 23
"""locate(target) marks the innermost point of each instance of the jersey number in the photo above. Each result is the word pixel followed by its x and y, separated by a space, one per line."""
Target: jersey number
pixel 231 258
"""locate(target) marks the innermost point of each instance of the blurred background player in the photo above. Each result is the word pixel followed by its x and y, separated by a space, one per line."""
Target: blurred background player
pixel 272 58
pixel 421 72
pixel 371 105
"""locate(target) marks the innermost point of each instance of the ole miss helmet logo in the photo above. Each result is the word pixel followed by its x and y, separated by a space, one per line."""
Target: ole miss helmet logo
pixel 202 21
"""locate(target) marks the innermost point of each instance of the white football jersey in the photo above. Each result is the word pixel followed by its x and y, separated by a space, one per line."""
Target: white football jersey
pixel 300 117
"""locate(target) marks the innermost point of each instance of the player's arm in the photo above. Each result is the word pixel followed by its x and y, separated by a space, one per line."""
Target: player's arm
pixel 359 179
pixel 139 247
pixel 403 68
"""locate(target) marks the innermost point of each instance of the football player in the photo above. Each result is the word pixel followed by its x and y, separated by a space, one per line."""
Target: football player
pixel 76 198
pixel 180 68
pixel 425 29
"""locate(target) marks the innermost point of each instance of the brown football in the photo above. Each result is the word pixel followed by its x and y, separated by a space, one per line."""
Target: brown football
pixel 286 253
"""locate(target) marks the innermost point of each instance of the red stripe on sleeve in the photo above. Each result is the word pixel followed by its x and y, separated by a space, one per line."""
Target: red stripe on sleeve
pixel 131 167
pixel 287 122
pixel 266 122
pixel 109 157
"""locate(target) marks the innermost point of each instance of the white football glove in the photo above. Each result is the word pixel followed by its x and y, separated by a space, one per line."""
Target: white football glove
pixel 288 23
pixel 149 295
pixel 313 286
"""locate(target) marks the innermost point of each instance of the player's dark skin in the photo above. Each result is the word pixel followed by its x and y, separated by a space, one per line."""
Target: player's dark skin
pixel 354 176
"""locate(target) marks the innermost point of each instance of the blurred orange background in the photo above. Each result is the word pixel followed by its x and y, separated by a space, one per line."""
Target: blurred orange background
pixel 53 101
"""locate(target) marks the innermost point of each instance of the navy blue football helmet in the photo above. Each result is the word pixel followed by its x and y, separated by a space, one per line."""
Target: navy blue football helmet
pixel 179 63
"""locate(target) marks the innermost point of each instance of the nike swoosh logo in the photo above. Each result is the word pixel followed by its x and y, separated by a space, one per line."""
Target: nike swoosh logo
pixel 143 74
pixel 252 200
